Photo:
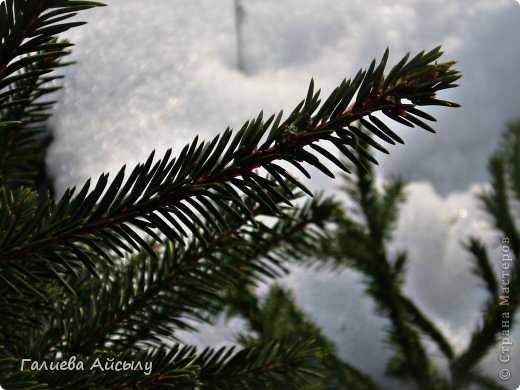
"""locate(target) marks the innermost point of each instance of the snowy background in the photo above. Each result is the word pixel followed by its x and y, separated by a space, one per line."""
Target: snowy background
pixel 152 75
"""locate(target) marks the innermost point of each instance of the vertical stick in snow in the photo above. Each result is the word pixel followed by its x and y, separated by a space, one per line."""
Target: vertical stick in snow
pixel 239 19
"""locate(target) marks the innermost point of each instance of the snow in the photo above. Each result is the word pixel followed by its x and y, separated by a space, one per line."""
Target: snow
pixel 153 75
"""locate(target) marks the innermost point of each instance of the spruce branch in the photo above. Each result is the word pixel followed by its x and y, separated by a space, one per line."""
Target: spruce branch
pixel 497 202
pixel 148 297
pixel 158 195
pixel 362 243
pixel 279 364
pixel 189 226
pixel 29 53
pixel 22 314
pixel 423 323
pixel 272 364
pixel 483 268
pixel 482 340
pixel 277 315
pixel 22 113
pixel 505 300
pixel 29 26
pixel 509 148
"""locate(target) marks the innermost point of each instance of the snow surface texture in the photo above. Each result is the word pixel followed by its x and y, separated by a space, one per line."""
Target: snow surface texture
pixel 152 76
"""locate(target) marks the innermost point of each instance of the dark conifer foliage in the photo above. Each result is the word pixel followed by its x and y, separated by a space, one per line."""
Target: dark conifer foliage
pixel 110 270
pixel 359 241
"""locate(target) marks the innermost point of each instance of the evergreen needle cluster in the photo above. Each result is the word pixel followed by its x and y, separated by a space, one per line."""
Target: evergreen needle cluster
pixel 359 242
pixel 112 269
